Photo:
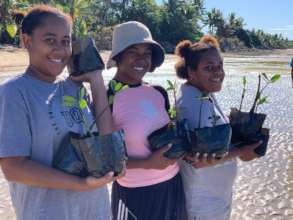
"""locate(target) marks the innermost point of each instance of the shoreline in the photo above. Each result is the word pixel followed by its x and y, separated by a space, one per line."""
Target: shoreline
pixel 16 59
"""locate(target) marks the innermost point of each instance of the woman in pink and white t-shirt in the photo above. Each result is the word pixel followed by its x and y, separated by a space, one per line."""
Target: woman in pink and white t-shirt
pixel 152 187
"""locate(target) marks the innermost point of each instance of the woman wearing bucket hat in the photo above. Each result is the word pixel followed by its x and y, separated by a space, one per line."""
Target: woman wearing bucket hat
pixel 208 188
pixel 152 187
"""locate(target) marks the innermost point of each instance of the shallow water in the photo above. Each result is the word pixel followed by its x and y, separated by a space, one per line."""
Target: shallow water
pixel 264 187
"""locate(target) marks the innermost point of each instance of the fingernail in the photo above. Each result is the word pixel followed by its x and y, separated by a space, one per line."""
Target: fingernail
pixel 214 155
pixel 205 155
pixel 170 145
pixel 110 174
pixel 197 155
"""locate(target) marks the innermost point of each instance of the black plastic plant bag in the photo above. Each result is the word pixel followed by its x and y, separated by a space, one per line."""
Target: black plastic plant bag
pixel 245 125
pixel 102 154
pixel 247 129
pixel 68 160
pixel 175 133
pixel 85 57
pixel 98 154
pixel 211 140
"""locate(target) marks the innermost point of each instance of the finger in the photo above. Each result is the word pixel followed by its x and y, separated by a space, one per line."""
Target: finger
pixel 205 158
pixel 76 78
pixel 255 145
pixel 166 148
pixel 197 156
pixel 108 177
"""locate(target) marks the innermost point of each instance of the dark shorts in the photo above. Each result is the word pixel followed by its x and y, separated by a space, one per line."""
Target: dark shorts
pixel 162 201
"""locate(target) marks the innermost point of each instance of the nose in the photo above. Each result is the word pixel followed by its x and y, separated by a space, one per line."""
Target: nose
pixel 219 71
pixel 59 48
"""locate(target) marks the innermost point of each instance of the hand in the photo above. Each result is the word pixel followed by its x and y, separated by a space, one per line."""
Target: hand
pixel 247 153
pixel 158 161
pixel 92 183
pixel 88 77
pixel 204 160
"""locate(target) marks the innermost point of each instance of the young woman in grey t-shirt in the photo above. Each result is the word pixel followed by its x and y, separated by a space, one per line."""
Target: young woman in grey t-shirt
pixel 207 182
pixel 37 109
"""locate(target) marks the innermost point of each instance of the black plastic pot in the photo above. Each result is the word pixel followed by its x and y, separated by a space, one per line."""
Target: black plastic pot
pixel 175 133
pixel 68 160
pixel 85 57
pixel 211 140
pixel 97 154
pixel 247 129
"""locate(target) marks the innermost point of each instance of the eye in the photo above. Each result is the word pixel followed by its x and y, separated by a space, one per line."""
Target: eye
pixel 50 41
pixel 208 68
pixel 149 54
pixel 66 42
pixel 131 52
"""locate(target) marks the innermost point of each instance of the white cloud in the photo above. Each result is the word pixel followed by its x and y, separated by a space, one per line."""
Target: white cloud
pixel 284 28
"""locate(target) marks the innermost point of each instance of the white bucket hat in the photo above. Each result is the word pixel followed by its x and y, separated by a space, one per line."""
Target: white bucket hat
pixel 130 33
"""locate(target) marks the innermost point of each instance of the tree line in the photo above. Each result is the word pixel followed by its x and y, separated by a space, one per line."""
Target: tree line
pixel 169 22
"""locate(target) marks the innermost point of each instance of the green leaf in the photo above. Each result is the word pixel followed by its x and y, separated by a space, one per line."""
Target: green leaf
pixel 111 99
pixel 275 78
pixel 11 30
pixel 118 87
pixel 262 100
pixel 170 84
pixel 172 112
pixel 82 92
pixel 244 81
pixel 82 104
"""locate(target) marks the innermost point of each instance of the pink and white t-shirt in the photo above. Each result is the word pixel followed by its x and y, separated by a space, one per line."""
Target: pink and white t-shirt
pixel 139 111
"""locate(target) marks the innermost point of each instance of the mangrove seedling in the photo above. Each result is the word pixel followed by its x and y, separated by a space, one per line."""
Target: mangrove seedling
pixel 172 86
pixel 259 100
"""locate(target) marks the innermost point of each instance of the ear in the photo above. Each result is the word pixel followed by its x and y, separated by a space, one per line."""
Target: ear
pixel 191 74
pixel 26 39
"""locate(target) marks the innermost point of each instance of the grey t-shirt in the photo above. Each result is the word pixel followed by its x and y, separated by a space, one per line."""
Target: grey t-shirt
pixel 208 191
pixel 34 118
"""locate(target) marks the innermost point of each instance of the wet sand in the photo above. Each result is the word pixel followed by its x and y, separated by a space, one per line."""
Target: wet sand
pixel 264 187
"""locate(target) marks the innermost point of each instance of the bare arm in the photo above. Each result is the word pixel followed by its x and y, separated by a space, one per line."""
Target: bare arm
pixel 103 114
pixel 156 160
pixel 102 110
pixel 26 171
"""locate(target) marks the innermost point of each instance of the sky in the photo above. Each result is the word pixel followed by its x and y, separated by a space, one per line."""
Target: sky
pixel 272 16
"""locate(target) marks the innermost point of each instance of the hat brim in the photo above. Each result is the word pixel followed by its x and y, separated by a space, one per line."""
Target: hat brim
pixel 158 54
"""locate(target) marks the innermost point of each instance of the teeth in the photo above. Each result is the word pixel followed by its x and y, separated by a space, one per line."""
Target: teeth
pixel 56 60
pixel 138 68
pixel 216 80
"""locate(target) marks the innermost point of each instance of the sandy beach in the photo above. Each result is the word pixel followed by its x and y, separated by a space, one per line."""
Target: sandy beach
pixel 264 187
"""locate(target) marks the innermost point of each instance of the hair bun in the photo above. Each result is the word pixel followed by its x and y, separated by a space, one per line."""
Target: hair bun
pixel 207 39
pixel 182 48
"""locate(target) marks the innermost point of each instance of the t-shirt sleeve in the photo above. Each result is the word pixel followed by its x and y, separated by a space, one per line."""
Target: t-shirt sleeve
pixel 15 132
pixel 187 108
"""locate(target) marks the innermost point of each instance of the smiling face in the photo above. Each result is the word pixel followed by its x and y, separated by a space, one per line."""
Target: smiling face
pixel 209 75
pixel 134 63
pixel 49 48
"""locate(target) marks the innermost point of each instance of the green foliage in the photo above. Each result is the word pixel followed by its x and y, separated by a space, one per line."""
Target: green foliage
pixel 180 20
pixel 11 30
pixel 170 22
pixel 259 99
